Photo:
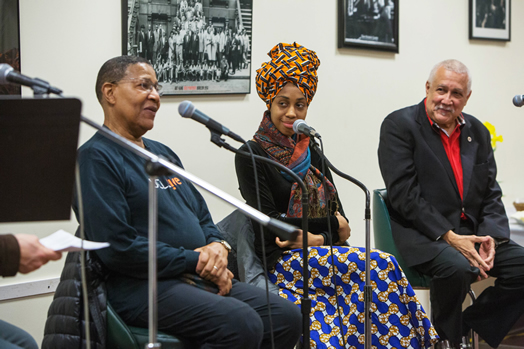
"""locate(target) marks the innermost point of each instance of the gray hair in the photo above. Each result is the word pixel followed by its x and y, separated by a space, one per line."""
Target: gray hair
pixel 454 66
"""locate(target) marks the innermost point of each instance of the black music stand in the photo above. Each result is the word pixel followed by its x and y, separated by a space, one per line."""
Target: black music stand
pixel 38 144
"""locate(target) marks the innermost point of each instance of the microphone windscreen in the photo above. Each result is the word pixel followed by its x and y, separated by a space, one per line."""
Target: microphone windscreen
pixel 296 124
pixel 186 109
pixel 517 101
pixel 4 71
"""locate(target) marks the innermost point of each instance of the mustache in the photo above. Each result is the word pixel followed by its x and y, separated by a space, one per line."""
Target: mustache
pixel 449 109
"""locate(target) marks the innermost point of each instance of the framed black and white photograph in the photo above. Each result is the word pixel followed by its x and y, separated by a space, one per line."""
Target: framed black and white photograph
pixel 490 19
pixel 195 46
pixel 10 41
pixel 368 24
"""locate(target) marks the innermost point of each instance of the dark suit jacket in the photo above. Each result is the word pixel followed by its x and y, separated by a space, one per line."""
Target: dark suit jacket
pixel 423 194
pixel 193 46
pixel 150 41
pixel 187 43
pixel 163 47
pixel 142 38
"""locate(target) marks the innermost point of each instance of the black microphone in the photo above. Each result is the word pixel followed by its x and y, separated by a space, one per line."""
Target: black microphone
pixel 300 126
pixel 518 100
pixel 9 75
pixel 188 110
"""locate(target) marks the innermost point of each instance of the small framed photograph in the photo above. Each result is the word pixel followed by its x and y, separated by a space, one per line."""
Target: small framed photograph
pixel 10 41
pixel 197 47
pixel 490 19
pixel 368 24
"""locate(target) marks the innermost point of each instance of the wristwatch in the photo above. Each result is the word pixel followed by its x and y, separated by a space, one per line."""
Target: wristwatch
pixel 226 245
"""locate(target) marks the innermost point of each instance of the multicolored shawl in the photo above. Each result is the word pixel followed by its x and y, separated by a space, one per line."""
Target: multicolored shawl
pixel 289 63
pixel 295 155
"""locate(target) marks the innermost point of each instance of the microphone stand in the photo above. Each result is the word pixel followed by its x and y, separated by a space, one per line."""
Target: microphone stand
pixel 368 290
pixel 305 304
pixel 42 88
pixel 155 166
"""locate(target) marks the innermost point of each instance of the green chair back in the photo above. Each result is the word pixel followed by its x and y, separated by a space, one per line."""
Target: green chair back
pixel 384 238
pixel 121 336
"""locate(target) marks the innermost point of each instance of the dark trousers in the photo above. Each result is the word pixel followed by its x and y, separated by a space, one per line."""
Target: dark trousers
pixel 494 312
pixel 238 320
pixel 12 337
pixel 225 73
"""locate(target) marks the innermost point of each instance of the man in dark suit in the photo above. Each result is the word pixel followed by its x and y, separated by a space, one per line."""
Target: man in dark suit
pixel 163 47
pixel 142 43
pixel 150 38
pixel 447 216
pixel 157 47
pixel 193 46
pixel 187 47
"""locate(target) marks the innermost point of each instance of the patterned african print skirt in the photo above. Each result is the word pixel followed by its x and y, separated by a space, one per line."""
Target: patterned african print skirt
pixel 398 319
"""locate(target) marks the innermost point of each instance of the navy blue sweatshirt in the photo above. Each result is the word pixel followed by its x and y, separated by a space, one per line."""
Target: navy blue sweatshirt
pixel 115 198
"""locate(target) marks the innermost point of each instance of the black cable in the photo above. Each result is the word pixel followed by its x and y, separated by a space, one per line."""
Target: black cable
pixel 83 276
pixel 83 257
pixel 306 301
pixel 264 259
pixel 330 237
pixel 368 289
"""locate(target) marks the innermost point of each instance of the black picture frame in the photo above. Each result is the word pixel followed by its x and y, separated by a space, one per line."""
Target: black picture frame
pixel 10 41
pixel 490 20
pixel 369 25
pixel 231 17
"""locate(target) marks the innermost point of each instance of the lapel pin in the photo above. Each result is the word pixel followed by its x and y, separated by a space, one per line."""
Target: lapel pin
pixel 469 139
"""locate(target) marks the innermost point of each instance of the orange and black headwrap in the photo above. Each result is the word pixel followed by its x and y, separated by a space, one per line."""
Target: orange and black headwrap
pixel 289 63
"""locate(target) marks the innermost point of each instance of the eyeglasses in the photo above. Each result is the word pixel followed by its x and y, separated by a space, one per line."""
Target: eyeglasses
pixel 145 84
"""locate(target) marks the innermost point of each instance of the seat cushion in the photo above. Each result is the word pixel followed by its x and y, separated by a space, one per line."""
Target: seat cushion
pixel 121 336
pixel 384 238
pixel 167 341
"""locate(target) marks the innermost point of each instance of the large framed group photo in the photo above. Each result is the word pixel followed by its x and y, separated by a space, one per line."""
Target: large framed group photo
pixel 195 46
pixel 368 24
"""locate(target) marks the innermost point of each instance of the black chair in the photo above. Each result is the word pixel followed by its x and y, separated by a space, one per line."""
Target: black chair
pixel 243 262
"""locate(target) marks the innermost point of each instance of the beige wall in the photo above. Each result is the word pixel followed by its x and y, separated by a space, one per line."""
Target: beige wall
pixel 66 42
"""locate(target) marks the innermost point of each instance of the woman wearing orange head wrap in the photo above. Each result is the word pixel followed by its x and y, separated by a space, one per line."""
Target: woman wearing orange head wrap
pixel 287 84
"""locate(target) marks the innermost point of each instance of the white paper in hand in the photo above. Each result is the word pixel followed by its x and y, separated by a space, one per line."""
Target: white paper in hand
pixel 63 241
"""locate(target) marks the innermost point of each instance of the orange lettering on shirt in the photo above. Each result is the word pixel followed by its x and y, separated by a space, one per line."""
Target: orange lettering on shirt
pixel 173 182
